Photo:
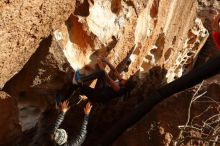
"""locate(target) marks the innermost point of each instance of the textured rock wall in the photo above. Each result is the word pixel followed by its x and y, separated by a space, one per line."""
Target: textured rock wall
pixel 150 33
pixel 165 33
pixel 23 24
pixel 38 82
pixel 160 126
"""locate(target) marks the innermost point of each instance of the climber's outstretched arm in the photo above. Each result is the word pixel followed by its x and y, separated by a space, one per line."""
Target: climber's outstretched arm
pixel 112 83
pixel 82 135
pixel 116 73
pixel 64 107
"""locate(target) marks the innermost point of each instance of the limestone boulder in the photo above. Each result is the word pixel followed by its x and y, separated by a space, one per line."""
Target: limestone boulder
pixel 148 33
pixel 23 24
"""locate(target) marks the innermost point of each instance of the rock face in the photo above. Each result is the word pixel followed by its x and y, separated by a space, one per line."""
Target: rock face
pixel 23 24
pixel 160 127
pixel 9 121
pixel 162 33
pixel 42 42
pixel 40 80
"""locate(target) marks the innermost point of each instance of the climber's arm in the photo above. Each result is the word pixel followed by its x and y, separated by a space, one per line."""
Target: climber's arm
pixel 82 136
pixel 64 107
pixel 58 121
pixel 116 73
pixel 113 84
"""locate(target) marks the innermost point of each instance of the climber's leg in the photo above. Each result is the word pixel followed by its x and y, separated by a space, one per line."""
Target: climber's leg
pixel 99 75
pixel 65 92
pixel 102 95
pixel 101 80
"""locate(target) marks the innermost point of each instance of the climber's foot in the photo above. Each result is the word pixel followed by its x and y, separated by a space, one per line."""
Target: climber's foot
pixel 83 97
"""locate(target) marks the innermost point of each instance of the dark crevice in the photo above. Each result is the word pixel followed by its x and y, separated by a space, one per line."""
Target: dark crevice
pixel 112 44
pixel 160 44
pixel 82 9
pixel 167 54
pixel 131 3
pixel 116 6
pixel 154 9
pixel 174 40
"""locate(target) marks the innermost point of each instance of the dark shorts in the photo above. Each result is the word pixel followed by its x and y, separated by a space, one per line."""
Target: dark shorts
pixel 103 94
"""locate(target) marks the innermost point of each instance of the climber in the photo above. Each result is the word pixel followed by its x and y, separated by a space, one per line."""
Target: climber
pixel 216 30
pixel 59 136
pixel 106 88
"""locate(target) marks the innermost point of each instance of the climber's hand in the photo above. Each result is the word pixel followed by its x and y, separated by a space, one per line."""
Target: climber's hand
pixel 87 108
pixel 64 106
